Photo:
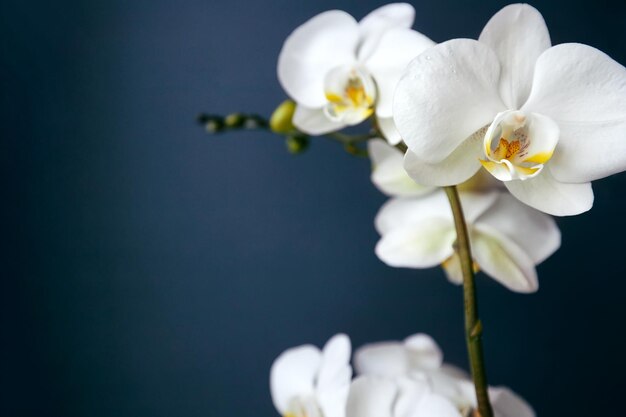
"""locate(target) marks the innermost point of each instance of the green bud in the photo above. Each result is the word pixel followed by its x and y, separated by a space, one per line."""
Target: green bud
pixel 234 120
pixel 281 120
pixel 297 144
pixel 214 125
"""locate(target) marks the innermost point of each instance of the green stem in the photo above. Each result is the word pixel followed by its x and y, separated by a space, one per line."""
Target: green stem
pixel 473 326
pixel 348 139
pixel 215 124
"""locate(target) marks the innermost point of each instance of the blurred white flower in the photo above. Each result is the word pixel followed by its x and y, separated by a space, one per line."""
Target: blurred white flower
pixel 419 359
pixel 545 120
pixel 340 71
pixel 507 237
pixel 307 382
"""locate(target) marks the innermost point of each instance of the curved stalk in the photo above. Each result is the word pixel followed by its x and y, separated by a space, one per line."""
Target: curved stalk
pixel 216 124
pixel 473 326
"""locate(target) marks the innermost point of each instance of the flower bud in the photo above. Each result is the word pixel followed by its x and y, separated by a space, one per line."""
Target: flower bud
pixel 214 125
pixel 234 120
pixel 281 120
pixel 297 144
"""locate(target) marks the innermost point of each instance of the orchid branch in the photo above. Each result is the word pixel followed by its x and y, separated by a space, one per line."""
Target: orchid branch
pixel 473 325
pixel 296 141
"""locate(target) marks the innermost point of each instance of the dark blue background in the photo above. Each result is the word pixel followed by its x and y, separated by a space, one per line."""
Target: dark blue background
pixel 152 270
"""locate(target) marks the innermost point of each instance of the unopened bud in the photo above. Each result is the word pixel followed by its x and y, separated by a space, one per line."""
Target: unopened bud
pixel 214 125
pixel 282 118
pixel 234 120
pixel 297 144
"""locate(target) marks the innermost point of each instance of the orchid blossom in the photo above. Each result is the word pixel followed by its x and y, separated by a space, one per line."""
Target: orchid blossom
pixel 340 71
pixel 508 238
pixel 544 120
pixel 307 382
pixel 419 358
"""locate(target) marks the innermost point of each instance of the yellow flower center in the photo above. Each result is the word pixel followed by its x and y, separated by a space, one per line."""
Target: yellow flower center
pixel 517 145
pixel 351 95
pixel 506 149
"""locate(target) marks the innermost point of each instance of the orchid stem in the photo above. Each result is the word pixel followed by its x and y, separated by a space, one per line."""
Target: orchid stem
pixel 473 325
pixel 216 124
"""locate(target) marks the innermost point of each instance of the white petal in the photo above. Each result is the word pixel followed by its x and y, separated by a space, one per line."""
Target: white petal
pixel 584 91
pixel 435 405
pixel 468 394
pixel 447 381
pixel 421 245
pixel 314 121
pixel 326 41
pixel 423 352
pixel 377 22
pixel 518 34
pixel 380 151
pixel 535 232
pixel 381 359
pixel 389 131
pixel 456 168
pixel 412 391
pixel 397 47
pixel 371 397
pixel 452 268
pixel 508 404
pixel 293 374
pixel 335 359
pixel 446 94
pixel 587 152
pixel 388 173
pixel 454 372
pixel 474 204
pixel 334 377
pixel 398 213
pixel 547 194
pixel 503 260
pixel 332 399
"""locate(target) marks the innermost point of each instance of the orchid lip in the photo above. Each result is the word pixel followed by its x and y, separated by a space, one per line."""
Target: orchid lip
pixel 517 145
pixel 351 94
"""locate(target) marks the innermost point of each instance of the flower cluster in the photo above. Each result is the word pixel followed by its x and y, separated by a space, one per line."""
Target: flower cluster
pixel 520 126
pixel 394 379
pixel 514 130
pixel 508 238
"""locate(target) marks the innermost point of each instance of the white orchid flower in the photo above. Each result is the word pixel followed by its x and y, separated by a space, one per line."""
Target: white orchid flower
pixel 388 174
pixel 507 237
pixel 545 120
pixel 340 71
pixel 419 358
pixel 307 382
pixel 372 396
